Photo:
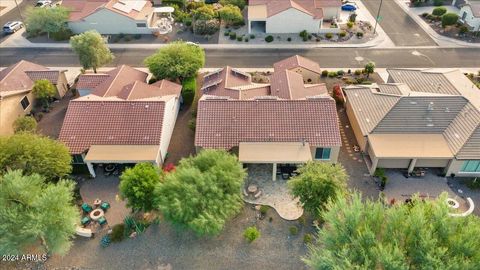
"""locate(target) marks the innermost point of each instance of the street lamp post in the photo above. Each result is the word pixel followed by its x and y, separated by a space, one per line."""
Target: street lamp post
pixel 378 17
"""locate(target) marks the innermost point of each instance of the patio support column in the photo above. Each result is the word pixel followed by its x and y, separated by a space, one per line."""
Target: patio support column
pixel 91 170
pixel 374 165
pixel 274 172
pixel 412 165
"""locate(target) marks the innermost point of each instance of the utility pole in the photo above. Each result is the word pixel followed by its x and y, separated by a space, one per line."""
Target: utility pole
pixel 378 17
pixel 19 11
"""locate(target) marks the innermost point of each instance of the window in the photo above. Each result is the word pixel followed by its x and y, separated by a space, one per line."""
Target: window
pixel 322 153
pixel 471 166
pixel 25 102
pixel 77 159
pixel 141 25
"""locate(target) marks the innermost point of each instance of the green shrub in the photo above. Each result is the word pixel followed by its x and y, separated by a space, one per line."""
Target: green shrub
pixel 293 230
pixel 379 172
pixel 340 72
pixel 118 232
pixel 449 19
pixel 226 33
pixel 289 39
pixel 358 72
pixel 307 238
pixel 324 73
pixel 121 35
pixel 302 220
pixel 303 34
pixel 263 209
pixel 350 24
pixel 137 36
pixel 252 36
pixel 251 234
pixel 192 124
pixel 187 21
pixel 189 86
pixel 25 124
pixel 246 39
pixel 359 34
pixel 269 39
pixel 437 2
pixel 342 34
pixel 332 74
pixel 240 38
pixel 128 38
pixel 463 29
pixel 179 3
pixel 233 35
pixel 439 11
pixel 64 34
pixel 352 17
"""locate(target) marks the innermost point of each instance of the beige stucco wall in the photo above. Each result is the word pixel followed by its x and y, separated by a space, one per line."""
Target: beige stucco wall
pixel 472 21
pixel 432 163
pixel 308 74
pixel 169 118
pixel 108 22
pixel 292 21
pixel 61 85
pixel 334 152
pixel 331 12
pixel 455 166
pixel 361 140
pixel 393 163
pixel 11 109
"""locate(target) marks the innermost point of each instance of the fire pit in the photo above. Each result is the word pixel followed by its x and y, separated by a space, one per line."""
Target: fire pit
pixel 96 214
pixel 453 203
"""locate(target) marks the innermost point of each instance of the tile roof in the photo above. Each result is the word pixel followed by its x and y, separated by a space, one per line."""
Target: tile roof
pixel 140 90
pixel 22 76
pixel 288 84
pixel 297 61
pixel 82 8
pixel 112 123
pixel 313 8
pixel 423 81
pixel 144 9
pixel 225 123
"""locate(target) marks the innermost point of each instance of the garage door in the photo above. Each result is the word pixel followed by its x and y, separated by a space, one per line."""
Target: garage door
pixel 432 163
pixel 393 163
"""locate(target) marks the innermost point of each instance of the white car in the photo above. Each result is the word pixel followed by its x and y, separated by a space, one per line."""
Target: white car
pixel 12 27
pixel 43 3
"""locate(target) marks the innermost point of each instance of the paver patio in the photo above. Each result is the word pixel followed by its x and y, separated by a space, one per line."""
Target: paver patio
pixel 274 193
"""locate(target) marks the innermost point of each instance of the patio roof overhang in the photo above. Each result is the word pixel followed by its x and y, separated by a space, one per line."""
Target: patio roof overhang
pixel 274 152
pixel 432 146
pixel 122 153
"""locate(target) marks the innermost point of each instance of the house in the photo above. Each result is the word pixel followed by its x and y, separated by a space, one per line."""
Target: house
pixel 292 16
pixel 284 121
pixel 16 98
pixel 121 119
pixel 111 16
pixel 419 118
pixel 469 15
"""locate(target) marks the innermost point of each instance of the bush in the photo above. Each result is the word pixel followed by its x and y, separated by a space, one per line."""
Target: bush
pixel 137 36
pixel 263 209
pixel 437 2
pixel 352 17
pixel 187 21
pixel 206 27
pixel 289 39
pixel 328 35
pixel 63 34
pixel 128 38
pixel 342 34
pixel 233 35
pixel 240 38
pixel 269 39
pixel 293 230
pixel 449 19
pixel 332 74
pixel 425 14
pixel 463 29
pixel 192 124
pixel 340 72
pixel 359 34
pixel 189 86
pixel 246 39
pixel 324 73
pixel 303 34
pixel 252 36
pixel 25 124
pixel 118 232
pixel 307 238
pixel 227 33
pixel 251 234
pixel 439 11
pixel 350 24
pixel 358 72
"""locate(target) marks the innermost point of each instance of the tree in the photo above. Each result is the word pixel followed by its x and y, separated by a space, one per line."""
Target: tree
pixel 92 50
pixel 34 211
pixel 369 68
pixel 239 3
pixel 46 20
pixel 204 13
pixel 44 90
pixel 230 14
pixel 203 192
pixel 176 60
pixel 251 234
pixel 25 124
pixel 417 235
pixel 137 185
pixel 34 154
pixel 316 183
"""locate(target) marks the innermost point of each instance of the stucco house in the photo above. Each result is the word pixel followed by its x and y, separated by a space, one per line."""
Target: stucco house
pixel 16 98
pixel 285 121
pixel 292 16
pixel 420 118
pixel 122 120
pixel 469 15
pixel 111 16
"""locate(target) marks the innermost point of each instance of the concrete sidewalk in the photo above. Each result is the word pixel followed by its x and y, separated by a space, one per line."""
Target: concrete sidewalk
pixel 9 5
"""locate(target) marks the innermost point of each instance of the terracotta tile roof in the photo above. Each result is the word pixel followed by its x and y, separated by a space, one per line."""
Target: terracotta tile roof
pixel 297 61
pixel 310 7
pixel 90 81
pixel 141 14
pixel 288 84
pixel 22 76
pixel 82 8
pixel 112 123
pixel 141 90
pixel 327 3
pixel 226 123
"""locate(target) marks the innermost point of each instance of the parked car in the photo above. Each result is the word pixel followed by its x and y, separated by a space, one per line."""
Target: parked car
pixel 349 7
pixel 12 27
pixel 43 3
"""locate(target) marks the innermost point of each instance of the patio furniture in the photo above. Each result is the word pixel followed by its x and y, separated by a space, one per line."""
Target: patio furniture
pixel 83 232
pixel 97 203
pixel 259 193
pixel 285 176
pixel 252 188
pixel 104 206
pixel 97 214
pixel 245 192
pixel 102 221
pixel 86 220
pixel 86 208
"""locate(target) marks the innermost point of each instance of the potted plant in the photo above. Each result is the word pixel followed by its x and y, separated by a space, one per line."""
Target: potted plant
pixel 383 182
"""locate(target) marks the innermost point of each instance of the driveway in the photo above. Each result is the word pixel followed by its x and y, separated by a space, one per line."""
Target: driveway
pixel 398 25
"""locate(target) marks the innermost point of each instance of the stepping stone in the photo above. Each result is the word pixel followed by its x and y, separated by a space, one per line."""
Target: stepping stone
pixel 354 158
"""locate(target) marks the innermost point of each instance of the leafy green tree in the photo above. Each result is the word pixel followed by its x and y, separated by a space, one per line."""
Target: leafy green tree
pixel 369 68
pixel 34 154
pixel 25 124
pixel 239 3
pixel 417 235
pixel 230 14
pixel 177 60
pixel 34 211
pixel 203 192
pixel 92 50
pixel 46 20
pixel 137 185
pixel 251 234
pixel 316 183
pixel 204 13
pixel 44 91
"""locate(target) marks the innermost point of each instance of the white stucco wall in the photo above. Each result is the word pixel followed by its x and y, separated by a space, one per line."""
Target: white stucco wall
pixel 455 167
pixel 469 19
pixel 108 22
pixel 169 118
pixel 292 21
pixel 331 12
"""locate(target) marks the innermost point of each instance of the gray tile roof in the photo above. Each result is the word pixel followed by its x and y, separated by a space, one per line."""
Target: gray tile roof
pixel 462 127
pixel 471 149
pixel 427 81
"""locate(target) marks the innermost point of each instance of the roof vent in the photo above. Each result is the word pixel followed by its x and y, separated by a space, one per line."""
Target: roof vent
pixel 430 106
pixel 146 106
pixel 447 109
pixel 413 102
pixel 430 125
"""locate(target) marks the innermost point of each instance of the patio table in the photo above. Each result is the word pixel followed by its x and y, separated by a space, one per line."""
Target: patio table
pixel 97 214
pixel 252 188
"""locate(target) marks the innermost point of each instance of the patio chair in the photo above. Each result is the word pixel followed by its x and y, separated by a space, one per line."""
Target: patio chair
pixel 86 208
pixel 102 221
pixel 86 220
pixel 104 206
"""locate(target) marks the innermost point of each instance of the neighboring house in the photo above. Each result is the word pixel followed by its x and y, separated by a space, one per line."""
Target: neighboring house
pixel 111 16
pixel 292 16
pixel 420 118
pixel 284 121
pixel 469 14
pixel 16 98
pixel 122 119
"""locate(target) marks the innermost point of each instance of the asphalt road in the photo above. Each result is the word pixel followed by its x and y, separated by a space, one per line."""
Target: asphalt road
pixel 14 14
pixel 398 25
pixel 326 57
